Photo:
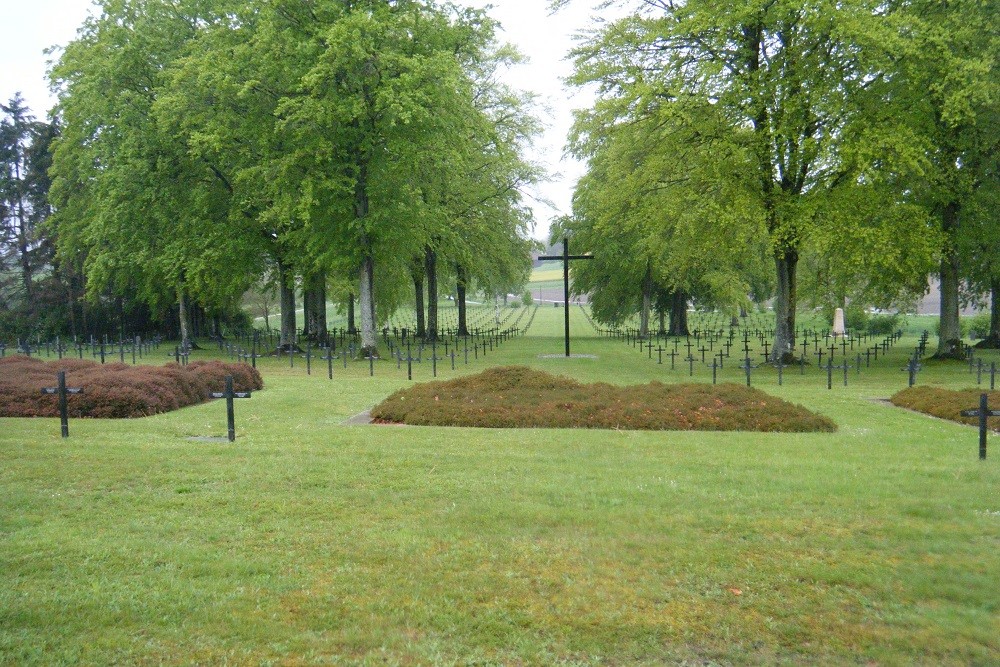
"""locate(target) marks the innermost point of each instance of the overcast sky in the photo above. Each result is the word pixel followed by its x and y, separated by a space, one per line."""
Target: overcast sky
pixel 35 25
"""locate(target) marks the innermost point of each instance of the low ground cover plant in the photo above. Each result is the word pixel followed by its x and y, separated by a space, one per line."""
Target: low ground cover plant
pixel 114 390
pixel 517 397
pixel 947 403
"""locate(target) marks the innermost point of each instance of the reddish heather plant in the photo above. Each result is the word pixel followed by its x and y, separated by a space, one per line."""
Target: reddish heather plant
pixel 947 403
pixel 114 390
pixel 517 397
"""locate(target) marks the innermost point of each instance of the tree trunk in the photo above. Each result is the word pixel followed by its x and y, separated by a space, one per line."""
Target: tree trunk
pixel 351 325
pixel 785 262
pixel 992 339
pixel 417 273
pixel 366 291
pixel 366 301
pixel 71 302
pixel 307 297
pixel 460 284
pixel 371 281
pixel 994 336
pixel 322 325
pixel 647 301
pixel 182 317
pixel 84 323
pixel 314 302
pixel 662 328
pixel 197 320
pixel 22 240
pixel 26 272
pixel 679 314
pixel 286 288
pixel 430 268
pixel 950 335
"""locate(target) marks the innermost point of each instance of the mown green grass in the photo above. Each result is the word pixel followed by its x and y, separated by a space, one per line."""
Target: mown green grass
pixel 310 542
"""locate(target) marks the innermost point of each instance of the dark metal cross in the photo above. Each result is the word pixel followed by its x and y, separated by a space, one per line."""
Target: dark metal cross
pixel 983 412
pixel 61 390
pixel 229 394
pixel 566 257
pixel 747 368
pixel 912 366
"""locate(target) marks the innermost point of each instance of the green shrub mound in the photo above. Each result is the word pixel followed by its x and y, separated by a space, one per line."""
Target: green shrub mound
pixel 520 397
pixel 114 390
pixel 947 403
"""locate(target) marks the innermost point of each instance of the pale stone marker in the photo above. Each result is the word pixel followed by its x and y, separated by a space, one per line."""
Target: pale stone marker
pixel 838 323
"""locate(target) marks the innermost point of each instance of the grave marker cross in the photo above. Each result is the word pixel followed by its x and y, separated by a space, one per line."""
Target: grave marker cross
pixel 747 367
pixel 61 390
pixel 829 371
pixel 912 366
pixel 329 361
pixel 983 412
pixel 229 395
pixel 566 258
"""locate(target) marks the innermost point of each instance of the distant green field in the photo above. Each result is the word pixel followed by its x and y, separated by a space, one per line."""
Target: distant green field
pixel 309 541
pixel 547 275
pixel 550 265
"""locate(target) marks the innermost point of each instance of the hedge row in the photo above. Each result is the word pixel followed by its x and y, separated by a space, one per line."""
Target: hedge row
pixel 520 397
pixel 114 390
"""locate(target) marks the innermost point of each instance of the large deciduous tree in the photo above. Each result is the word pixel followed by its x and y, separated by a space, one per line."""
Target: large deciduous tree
pixel 787 81
pixel 402 157
pixel 213 143
pixel 152 216
pixel 946 89
pixel 665 218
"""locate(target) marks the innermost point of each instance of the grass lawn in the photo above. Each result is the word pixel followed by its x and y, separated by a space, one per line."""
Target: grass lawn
pixel 311 542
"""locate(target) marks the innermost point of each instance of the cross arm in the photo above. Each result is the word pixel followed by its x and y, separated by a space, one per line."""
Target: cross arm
pixel 561 257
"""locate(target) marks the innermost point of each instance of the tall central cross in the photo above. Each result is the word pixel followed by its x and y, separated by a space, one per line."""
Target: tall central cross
pixel 566 257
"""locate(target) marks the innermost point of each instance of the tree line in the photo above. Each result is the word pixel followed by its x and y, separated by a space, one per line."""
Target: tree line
pixel 364 151
pixel 811 152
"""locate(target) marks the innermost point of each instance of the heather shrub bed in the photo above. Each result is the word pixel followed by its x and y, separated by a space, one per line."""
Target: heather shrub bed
pixel 515 397
pixel 114 390
pixel 947 403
